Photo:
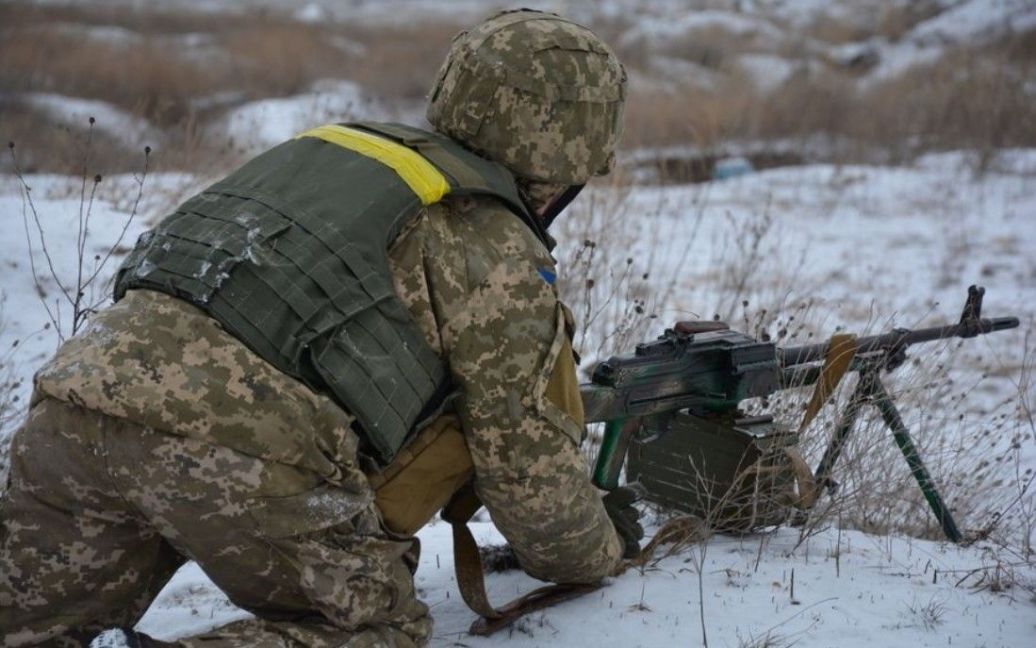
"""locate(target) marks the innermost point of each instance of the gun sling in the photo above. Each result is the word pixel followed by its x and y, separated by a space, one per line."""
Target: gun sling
pixel 471 579
pixel 839 357
pixel 841 350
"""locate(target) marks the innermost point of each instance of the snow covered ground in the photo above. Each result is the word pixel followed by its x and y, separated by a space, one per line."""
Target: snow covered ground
pixel 71 111
pixel 871 246
pixel 850 590
pixel 259 125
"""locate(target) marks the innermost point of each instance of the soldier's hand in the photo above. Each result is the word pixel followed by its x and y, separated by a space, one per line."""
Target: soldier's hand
pixel 619 505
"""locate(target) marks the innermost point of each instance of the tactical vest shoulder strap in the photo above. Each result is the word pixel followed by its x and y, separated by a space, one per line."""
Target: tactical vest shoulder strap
pixel 466 172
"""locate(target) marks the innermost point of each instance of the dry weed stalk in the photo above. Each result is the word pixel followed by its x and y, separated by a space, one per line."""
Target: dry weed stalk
pixel 84 293
pixel 929 614
pixel 9 405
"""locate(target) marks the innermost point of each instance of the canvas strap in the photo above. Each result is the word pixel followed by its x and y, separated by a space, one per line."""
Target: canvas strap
pixel 471 579
pixel 840 352
pixel 839 357
pixel 804 479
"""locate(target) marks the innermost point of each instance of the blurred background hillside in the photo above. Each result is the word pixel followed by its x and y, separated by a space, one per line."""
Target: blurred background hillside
pixel 775 81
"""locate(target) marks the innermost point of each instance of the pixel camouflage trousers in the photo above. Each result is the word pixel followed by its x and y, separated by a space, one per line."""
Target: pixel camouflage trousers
pixel 101 512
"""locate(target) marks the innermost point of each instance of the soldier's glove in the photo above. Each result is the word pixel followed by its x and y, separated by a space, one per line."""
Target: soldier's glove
pixel 498 558
pixel 626 517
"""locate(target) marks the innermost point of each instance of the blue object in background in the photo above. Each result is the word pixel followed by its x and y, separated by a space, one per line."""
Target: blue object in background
pixel 731 167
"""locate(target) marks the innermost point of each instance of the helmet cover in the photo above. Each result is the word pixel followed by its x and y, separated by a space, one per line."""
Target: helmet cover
pixel 535 92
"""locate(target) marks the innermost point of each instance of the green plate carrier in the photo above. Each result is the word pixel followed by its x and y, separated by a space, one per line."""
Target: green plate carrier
pixel 289 254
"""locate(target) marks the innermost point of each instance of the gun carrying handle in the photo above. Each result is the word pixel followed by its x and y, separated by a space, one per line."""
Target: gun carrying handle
pixel 618 433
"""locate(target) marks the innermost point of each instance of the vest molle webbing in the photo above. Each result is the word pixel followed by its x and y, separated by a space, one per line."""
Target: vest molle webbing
pixel 289 254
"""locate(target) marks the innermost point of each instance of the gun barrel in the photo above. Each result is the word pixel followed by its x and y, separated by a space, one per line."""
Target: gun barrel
pixel 791 356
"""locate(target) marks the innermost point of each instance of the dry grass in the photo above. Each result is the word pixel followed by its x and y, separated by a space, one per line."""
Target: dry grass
pixel 400 72
pixel 54 147
pixel 154 72
pixel 969 99
pixel 689 116
pixel 890 22
pixel 180 70
pixel 711 48
pixel 141 77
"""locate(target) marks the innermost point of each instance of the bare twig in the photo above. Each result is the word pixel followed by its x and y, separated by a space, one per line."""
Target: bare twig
pixel 80 299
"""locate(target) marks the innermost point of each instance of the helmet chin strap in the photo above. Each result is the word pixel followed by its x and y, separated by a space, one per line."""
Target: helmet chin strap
pixel 556 206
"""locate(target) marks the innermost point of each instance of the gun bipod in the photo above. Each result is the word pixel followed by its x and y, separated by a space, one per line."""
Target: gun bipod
pixel 870 389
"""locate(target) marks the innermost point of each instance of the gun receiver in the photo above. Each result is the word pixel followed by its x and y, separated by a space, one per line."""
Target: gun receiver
pixel 702 367
pixel 715 369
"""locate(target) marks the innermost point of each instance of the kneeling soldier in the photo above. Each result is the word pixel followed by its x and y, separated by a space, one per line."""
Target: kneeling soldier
pixel 309 358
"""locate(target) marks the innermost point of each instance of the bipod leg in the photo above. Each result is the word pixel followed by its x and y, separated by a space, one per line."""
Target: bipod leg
pixel 822 474
pixel 883 401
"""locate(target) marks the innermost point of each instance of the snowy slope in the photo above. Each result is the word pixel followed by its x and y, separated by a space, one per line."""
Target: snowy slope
pixel 259 125
pixel 74 112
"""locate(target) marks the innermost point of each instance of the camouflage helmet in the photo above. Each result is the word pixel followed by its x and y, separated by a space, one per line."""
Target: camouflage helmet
pixel 536 92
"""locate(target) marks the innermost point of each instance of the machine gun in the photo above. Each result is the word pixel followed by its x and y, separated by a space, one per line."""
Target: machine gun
pixel 693 377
